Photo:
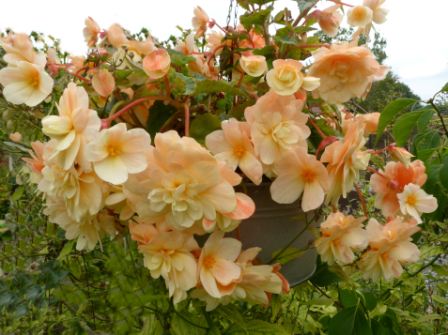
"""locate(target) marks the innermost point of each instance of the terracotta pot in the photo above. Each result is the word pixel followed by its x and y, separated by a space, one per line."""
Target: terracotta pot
pixel 275 227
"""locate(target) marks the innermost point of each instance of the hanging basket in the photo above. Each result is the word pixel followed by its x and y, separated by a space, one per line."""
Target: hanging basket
pixel 282 231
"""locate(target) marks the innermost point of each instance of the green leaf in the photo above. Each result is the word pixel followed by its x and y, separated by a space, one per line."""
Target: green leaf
pixel 305 4
pixel 257 18
pixel 256 327
pixel 343 323
pixel 444 88
pixel 159 113
pixel 151 326
pixel 66 250
pixel 323 276
pixel 214 86
pixel 184 323
pixel 203 125
pixel 348 298
pixel 443 174
pixel 389 113
pixel 405 124
pixel 18 193
pixel 285 256
pixel 179 59
pixel 426 144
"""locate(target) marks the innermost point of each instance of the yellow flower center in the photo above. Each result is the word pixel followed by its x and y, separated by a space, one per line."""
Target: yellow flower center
pixel 239 151
pixel 287 74
pixel 114 150
pixel 308 175
pixel 209 261
pixel 34 79
pixel 358 13
pixel 411 200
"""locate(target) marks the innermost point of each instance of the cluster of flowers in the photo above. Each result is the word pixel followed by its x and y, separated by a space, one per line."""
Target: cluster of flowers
pixel 98 179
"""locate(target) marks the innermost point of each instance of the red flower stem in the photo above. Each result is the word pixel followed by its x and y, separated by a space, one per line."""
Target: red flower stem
pixel 341 3
pixel 363 201
pixel 309 46
pixel 187 117
pixel 315 126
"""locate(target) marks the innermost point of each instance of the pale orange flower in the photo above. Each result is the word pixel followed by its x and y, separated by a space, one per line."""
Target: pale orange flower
pixel 379 13
pixel 36 162
pixel 345 72
pixel 360 16
pixel 103 82
pixel 390 247
pixel 18 47
pixel 116 35
pixel 345 159
pixel 390 182
pixel 254 40
pixel 297 173
pixel 157 64
pixel 118 152
pixel 232 144
pixel 414 201
pixel 341 236
pixel 70 131
pixel 15 137
pixel 400 154
pixel 277 125
pixel 169 255
pixel 329 19
pixel 25 83
pixel 218 272
pixel 200 21
pixel 91 32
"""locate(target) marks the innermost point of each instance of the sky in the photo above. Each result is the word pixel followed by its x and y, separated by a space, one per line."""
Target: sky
pixel 415 30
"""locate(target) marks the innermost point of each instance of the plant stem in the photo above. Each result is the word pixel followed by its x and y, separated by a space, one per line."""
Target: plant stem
pixel 439 113
pixel 187 117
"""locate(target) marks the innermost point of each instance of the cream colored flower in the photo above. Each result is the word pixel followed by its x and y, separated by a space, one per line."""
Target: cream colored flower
pixel 91 32
pixel 329 19
pixel 70 131
pixel 277 125
pixel 118 152
pixel 18 47
pixel 286 77
pixel 254 66
pixel 414 201
pixel 200 21
pixel 103 82
pixel 15 137
pixel 341 236
pixel 157 64
pixel 400 154
pixel 169 255
pixel 379 13
pixel 232 144
pixel 360 16
pixel 297 173
pixel 186 183
pixel 25 83
pixel 88 232
pixel 218 272
pixel 390 247
pixel 345 72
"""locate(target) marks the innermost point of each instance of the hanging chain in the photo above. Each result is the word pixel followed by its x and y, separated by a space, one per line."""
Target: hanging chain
pixel 229 14
pixel 235 19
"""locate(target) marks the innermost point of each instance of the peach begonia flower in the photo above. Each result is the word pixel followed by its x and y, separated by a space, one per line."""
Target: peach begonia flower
pixel 252 40
pixel 379 13
pixel 297 173
pixel 91 32
pixel 187 184
pixel 360 16
pixel 118 152
pixel 345 72
pixel 15 137
pixel 36 162
pixel 400 154
pixel 218 272
pixel 368 122
pixel 341 236
pixel 157 64
pixel 215 39
pixel 414 201
pixel 120 202
pixel 200 21
pixel 141 47
pixel 232 144
pixel 88 232
pixel 116 35
pixel 75 125
pixel 18 48
pixel 188 46
pixel 169 255
pixel 277 125
pixel 345 159
pixel 389 183
pixel 76 64
pixel 329 19
pixel 390 247
pixel 81 192
pixel 143 232
pixel 103 82
pixel 254 66
pixel 286 77
pixel 25 83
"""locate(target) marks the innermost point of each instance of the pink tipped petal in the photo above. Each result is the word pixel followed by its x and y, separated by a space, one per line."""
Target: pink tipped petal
pixel 245 207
